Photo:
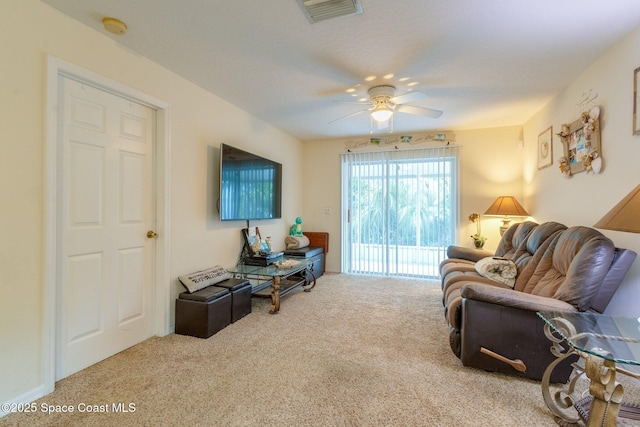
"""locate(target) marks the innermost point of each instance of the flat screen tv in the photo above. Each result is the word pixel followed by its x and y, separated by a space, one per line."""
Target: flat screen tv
pixel 250 186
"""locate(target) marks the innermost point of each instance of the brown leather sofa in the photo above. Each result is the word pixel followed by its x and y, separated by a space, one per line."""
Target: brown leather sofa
pixel 558 268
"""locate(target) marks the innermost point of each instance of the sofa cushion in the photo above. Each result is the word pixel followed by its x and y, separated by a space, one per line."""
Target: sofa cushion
pixel 573 268
pixel 586 269
pixel 529 256
pixel 535 240
pixel 514 238
pixel 207 294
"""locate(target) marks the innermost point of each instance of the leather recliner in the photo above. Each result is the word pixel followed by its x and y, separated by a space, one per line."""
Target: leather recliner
pixel 570 269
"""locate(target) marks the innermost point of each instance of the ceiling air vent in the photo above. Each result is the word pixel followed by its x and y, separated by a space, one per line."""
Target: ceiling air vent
pixel 319 10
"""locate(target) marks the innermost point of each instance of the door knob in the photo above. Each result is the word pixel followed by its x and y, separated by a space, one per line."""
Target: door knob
pixel 152 234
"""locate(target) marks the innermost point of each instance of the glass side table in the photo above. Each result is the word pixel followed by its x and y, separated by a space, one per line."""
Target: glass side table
pixel 603 343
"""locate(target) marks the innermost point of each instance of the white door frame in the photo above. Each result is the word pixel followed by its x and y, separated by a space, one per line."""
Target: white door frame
pixel 162 175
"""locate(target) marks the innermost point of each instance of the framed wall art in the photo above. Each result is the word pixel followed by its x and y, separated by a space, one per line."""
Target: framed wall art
pixel 545 148
pixel 581 143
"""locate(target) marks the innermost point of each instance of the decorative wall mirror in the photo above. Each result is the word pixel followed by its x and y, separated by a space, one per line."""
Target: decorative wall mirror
pixel 581 143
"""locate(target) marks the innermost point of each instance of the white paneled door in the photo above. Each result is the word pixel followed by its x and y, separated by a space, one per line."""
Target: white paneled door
pixel 106 223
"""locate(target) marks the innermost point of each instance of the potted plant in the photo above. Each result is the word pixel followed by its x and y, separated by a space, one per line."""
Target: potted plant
pixel 478 238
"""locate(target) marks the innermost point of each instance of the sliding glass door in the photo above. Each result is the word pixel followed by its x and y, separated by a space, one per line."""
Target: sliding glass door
pixel 399 210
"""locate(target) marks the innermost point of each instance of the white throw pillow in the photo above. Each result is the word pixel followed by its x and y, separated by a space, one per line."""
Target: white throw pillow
pixel 499 269
pixel 201 279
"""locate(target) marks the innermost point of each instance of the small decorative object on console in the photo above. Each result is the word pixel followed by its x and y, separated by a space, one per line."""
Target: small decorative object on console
pixel 296 229
pixel 287 263
pixel 252 240
pixel 263 259
pixel 311 247
pixel 295 242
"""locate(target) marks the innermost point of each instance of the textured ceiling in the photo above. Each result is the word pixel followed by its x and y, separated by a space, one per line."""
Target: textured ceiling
pixel 484 64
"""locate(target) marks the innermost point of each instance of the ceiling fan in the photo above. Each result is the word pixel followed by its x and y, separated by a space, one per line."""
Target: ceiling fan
pixel 383 103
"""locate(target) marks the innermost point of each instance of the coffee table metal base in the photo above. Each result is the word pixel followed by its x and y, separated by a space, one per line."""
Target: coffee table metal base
pixel 280 285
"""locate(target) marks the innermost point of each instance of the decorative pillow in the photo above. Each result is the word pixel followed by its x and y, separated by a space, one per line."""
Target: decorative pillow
pixel 201 279
pixel 296 242
pixel 499 269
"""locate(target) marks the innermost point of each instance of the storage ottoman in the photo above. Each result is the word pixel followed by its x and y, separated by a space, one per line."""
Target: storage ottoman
pixel 314 254
pixel 240 297
pixel 203 313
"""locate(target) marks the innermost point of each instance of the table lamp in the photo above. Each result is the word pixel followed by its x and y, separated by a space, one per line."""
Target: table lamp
pixel 625 216
pixel 506 206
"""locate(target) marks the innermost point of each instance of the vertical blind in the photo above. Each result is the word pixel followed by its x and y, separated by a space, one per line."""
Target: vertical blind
pixel 399 210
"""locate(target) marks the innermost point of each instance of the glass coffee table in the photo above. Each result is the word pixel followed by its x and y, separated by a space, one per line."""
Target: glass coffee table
pixel 278 279
pixel 603 343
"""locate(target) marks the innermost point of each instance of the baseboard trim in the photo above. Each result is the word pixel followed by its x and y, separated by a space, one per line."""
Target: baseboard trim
pixel 26 397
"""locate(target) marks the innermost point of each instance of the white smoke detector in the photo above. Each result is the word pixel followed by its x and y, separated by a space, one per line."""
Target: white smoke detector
pixel 114 26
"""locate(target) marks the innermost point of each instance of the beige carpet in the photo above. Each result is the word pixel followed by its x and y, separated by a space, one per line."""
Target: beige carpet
pixel 355 351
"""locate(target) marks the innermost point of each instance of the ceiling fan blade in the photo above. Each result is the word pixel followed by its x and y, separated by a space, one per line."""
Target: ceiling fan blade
pixel 353 102
pixel 349 115
pixel 408 97
pixel 420 111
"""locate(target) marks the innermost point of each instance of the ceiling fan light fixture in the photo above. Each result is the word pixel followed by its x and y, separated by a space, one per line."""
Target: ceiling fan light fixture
pixel 383 103
pixel 381 114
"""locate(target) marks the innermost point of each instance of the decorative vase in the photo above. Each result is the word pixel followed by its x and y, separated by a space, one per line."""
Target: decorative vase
pixel 478 242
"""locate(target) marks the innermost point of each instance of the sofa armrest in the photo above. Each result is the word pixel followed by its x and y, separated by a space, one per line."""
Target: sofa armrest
pixel 461 252
pixel 460 279
pixel 511 298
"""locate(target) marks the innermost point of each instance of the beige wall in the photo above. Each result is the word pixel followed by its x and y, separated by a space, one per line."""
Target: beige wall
pixel 490 165
pixel 200 121
pixel 491 161
pixel 583 199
